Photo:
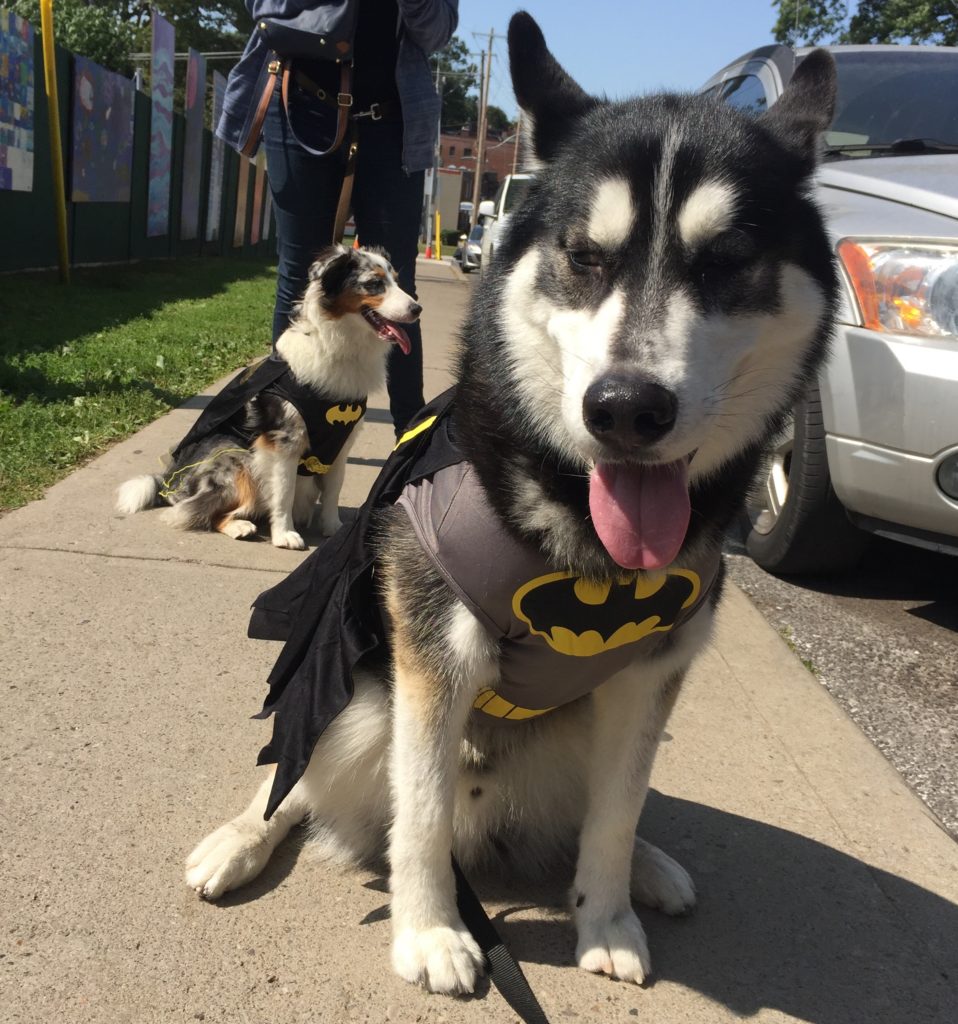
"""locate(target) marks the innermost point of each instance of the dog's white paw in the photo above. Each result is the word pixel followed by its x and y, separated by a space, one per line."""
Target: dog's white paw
pixel 288 539
pixel 227 858
pixel 445 960
pixel 660 882
pixel 328 525
pixel 615 946
pixel 238 529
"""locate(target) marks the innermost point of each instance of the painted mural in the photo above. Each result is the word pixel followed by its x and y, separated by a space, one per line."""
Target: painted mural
pixel 193 148
pixel 214 204
pixel 16 103
pixel 161 128
pixel 242 192
pixel 102 134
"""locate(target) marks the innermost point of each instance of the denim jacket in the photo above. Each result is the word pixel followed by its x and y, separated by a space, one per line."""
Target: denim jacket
pixel 427 25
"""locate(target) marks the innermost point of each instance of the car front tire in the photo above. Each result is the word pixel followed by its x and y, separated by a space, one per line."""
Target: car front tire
pixel 798 524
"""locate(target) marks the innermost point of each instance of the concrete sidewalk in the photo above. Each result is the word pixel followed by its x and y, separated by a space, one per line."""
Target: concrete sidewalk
pixel 827 892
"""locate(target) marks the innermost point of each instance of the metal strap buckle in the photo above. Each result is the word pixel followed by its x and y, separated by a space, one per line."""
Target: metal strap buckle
pixel 274 66
pixel 374 112
pixel 344 99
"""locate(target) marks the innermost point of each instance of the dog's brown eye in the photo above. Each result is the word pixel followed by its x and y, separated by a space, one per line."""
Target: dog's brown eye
pixel 585 259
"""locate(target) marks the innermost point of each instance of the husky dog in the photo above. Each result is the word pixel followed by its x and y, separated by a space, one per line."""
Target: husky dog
pixel 664 294
pixel 279 434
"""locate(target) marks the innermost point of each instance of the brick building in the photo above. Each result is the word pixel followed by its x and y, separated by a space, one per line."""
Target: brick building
pixel 460 149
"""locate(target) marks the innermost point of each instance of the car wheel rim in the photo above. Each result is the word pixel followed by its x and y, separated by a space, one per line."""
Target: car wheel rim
pixel 771 502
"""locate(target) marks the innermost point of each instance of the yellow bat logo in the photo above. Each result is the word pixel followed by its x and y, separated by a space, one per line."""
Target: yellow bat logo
pixel 313 465
pixel 344 413
pixel 580 618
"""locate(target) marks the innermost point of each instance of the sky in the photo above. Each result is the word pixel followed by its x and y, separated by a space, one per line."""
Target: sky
pixel 621 47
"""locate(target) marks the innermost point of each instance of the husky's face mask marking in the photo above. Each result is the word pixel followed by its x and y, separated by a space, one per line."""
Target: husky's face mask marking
pixel 662 305
pixel 579 618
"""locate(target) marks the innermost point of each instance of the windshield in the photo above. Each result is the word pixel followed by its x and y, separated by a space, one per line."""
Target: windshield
pixel 476 234
pixel 885 97
pixel 517 190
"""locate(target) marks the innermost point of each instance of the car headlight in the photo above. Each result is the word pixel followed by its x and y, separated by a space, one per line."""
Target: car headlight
pixel 905 287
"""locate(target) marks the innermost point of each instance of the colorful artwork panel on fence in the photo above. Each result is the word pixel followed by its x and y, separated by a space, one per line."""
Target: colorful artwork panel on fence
pixel 16 103
pixel 214 206
pixel 193 149
pixel 161 128
pixel 102 134
pixel 242 192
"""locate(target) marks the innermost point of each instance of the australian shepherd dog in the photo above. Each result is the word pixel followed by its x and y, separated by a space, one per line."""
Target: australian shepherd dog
pixel 278 436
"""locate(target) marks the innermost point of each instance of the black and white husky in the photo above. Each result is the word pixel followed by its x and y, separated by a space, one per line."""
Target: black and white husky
pixel 255 452
pixel 664 294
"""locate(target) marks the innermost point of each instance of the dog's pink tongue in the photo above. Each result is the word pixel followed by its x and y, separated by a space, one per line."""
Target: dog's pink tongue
pixel 641 513
pixel 395 333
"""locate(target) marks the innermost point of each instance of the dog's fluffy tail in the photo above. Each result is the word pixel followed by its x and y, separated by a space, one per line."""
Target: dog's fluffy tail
pixel 137 494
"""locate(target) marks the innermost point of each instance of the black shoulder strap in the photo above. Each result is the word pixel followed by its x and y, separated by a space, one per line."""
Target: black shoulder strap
pixel 505 972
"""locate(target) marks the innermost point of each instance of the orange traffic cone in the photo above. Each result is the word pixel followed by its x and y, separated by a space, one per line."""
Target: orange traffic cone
pixel 355 241
pixel 428 252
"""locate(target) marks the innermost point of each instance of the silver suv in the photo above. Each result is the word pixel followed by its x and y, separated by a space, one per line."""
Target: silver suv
pixel 874 446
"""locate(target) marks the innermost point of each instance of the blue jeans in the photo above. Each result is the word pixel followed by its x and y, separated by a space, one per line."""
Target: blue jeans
pixel 387 206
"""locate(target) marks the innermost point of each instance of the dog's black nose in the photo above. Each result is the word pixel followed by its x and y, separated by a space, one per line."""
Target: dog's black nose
pixel 415 309
pixel 628 410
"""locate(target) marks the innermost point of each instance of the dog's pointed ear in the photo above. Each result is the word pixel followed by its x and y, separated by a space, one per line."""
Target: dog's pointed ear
pixel 551 101
pixel 807 105
pixel 331 267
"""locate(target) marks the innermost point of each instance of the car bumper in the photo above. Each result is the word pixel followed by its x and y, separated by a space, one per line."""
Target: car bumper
pixel 891 416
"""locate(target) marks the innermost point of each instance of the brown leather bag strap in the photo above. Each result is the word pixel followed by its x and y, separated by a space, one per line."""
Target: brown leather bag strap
pixel 273 68
pixel 344 102
pixel 346 193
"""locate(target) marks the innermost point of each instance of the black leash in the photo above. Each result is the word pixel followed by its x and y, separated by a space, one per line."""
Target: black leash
pixel 505 973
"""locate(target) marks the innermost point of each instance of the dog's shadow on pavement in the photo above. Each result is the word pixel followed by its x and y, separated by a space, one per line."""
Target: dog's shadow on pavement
pixel 783 923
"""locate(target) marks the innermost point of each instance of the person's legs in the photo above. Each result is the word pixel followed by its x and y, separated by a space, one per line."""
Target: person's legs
pixel 388 207
pixel 305 192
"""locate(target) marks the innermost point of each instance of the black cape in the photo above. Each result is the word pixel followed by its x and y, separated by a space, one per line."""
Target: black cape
pixel 329 421
pixel 328 611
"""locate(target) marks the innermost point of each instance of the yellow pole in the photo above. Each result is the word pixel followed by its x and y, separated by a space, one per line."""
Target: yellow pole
pixel 438 250
pixel 56 152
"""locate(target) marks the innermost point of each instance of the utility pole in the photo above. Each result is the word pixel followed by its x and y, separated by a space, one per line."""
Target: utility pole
pixel 515 143
pixel 483 127
pixel 481 131
pixel 430 179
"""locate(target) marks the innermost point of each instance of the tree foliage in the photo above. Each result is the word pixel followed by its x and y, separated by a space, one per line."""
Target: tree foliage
pixel 803 22
pixel 210 26
pixel 92 31
pixel 498 120
pixel 460 76
pixel 111 30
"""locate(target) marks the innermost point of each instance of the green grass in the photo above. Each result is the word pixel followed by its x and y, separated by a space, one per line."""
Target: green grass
pixel 84 366
pixel 789 637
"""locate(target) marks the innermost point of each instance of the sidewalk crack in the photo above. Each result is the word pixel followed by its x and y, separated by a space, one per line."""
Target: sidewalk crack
pixel 170 560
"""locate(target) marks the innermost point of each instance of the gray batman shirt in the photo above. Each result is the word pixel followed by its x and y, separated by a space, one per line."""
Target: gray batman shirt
pixel 560 636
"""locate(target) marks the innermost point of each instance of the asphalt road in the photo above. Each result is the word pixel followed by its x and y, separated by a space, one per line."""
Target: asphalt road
pixel 884 641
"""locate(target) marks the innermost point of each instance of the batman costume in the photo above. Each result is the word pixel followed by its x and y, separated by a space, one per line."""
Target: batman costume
pixel 559 636
pixel 328 422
